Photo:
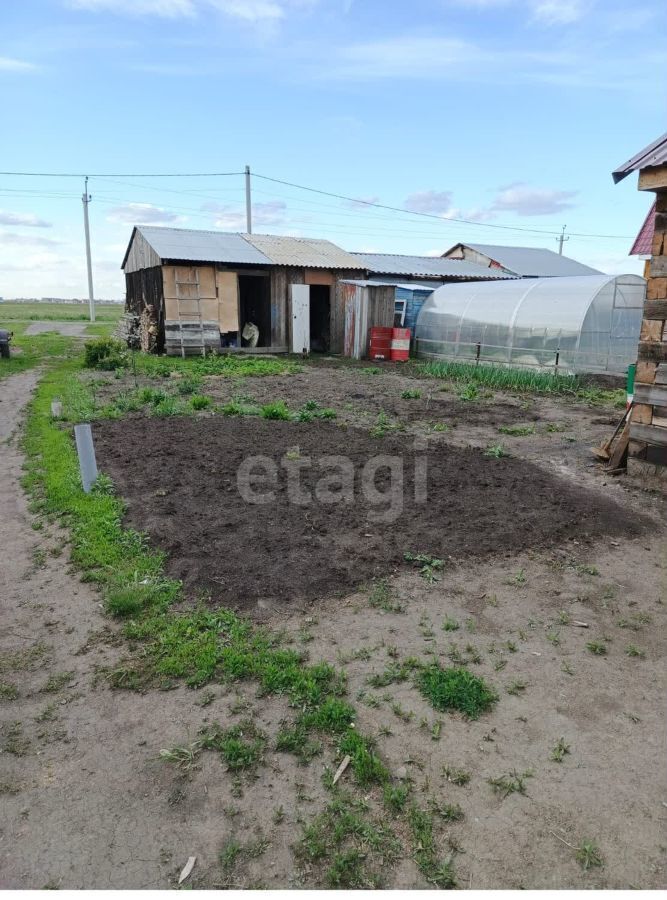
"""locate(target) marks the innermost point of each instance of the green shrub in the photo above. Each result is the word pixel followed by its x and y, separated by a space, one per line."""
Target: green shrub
pixel 105 353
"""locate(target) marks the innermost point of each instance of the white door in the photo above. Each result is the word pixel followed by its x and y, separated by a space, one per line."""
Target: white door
pixel 300 302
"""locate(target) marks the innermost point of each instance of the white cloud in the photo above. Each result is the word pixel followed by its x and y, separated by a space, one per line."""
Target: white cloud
pixel 245 10
pixel 144 214
pixel 7 64
pixel 438 203
pixel 558 12
pixel 26 240
pixel 523 200
pixel 544 12
pixel 271 213
pixel 414 57
pixel 28 219
pixel 29 262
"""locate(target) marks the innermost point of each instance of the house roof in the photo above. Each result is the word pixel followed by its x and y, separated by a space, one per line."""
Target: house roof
pixel 643 245
pixel 653 155
pixel 530 262
pixel 199 246
pixel 312 253
pixel 424 266
pixel 243 249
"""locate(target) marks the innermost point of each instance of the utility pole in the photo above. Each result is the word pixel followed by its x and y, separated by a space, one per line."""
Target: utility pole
pixel 561 238
pixel 91 296
pixel 248 202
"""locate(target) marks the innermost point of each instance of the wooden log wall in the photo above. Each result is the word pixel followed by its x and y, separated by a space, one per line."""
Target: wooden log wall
pixel 648 429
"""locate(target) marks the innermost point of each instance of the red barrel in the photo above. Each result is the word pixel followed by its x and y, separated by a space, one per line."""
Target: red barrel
pixel 400 344
pixel 380 343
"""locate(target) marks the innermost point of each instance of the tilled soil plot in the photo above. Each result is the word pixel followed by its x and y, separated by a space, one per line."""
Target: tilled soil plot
pixel 179 477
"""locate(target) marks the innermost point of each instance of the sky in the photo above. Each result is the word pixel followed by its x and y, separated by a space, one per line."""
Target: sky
pixel 506 115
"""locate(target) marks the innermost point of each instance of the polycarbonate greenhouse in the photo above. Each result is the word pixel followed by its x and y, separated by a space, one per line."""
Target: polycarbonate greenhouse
pixel 586 323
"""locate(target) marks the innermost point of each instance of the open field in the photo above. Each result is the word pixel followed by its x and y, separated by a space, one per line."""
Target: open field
pixel 490 662
pixel 57 312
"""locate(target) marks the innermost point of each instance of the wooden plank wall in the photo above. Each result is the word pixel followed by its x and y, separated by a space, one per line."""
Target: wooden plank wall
pixel 141 255
pixel 648 429
pixel 338 309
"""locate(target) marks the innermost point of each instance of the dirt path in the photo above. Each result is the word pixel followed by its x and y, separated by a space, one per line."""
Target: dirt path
pixel 82 800
pixel 68 329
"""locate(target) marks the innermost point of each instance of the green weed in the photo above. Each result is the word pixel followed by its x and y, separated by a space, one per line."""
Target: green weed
pixel 560 750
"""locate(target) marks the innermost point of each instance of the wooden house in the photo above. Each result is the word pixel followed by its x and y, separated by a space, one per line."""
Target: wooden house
pixel 194 290
pixel 647 451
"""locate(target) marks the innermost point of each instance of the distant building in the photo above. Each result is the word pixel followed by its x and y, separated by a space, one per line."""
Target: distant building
pixel 522 262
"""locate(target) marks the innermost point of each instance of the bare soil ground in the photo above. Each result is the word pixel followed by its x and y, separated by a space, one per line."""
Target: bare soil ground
pixel 87 802
pixel 283 551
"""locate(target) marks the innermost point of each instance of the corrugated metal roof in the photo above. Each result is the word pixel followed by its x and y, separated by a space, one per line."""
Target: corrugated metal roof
pixel 653 155
pixel 426 266
pixel 202 246
pixel 405 285
pixel 531 262
pixel 311 253
pixel 643 245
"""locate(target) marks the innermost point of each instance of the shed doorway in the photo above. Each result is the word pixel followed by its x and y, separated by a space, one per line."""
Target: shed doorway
pixel 255 308
pixel 320 318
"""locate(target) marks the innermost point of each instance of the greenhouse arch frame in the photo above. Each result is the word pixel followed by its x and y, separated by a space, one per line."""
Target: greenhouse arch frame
pixel 579 324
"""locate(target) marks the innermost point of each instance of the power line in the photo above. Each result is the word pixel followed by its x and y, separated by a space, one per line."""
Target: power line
pixel 121 175
pixel 369 204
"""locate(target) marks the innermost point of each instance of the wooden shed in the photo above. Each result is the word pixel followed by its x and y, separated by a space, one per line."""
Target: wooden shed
pixel 647 451
pixel 195 291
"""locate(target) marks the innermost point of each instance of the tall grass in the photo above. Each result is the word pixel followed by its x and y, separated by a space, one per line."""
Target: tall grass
pixel 502 378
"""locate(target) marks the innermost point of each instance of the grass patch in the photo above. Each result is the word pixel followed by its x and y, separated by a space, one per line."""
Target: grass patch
pixel 384 425
pixel 55 683
pixel 517 430
pixel 276 410
pixel 439 873
pixel 496 451
pixel 8 691
pixel 231 366
pixel 347 845
pixel 411 395
pixel 34 350
pixel 513 783
pixel 597 648
pixel 456 776
pixel 383 597
pixel 457 689
pixel 58 312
